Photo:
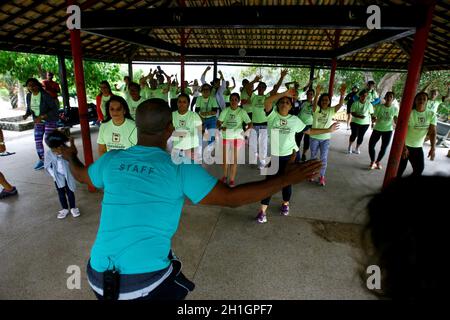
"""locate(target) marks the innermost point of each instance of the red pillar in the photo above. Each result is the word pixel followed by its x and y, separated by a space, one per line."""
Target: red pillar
pixel 182 59
pixel 412 80
pixel 333 64
pixel 333 72
pixel 75 43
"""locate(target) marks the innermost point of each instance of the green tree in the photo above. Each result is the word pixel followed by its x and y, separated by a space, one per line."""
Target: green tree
pixel 16 67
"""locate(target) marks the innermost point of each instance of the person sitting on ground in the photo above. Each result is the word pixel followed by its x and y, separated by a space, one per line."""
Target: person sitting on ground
pixel 8 189
pixel 132 248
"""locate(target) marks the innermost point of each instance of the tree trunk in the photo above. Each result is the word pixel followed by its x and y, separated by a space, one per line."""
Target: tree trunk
pixel 387 82
pixel 21 95
pixel 12 95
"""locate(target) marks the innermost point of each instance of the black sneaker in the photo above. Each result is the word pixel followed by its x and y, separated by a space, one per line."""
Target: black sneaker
pixel 5 193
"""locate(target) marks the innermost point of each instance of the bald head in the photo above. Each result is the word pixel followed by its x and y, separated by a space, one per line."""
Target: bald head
pixel 152 117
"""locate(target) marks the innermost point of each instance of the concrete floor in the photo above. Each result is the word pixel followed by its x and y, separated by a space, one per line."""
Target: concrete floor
pixel 313 253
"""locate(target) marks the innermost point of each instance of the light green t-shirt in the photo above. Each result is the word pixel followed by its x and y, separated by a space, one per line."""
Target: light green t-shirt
pixel 371 96
pixel 282 130
pixel 186 124
pixel 145 92
pixel 105 99
pixel 118 137
pixel 258 112
pixel 385 117
pixel 35 104
pixel 306 113
pixel 444 108
pixel 173 92
pixel 248 106
pixel 156 93
pixel 206 105
pixel 226 95
pixel 365 109
pixel 233 120
pixel 418 125
pixel 433 105
pixel 323 119
pixel 133 105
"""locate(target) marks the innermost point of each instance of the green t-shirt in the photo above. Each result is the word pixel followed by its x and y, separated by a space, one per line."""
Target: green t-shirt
pixel 226 95
pixel 444 109
pixel 371 96
pixel 157 93
pixel 133 105
pixel 35 104
pixel 118 137
pixel 306 113
pixel 323 119
pixel 282 130
pixel 258 112
pixel 248 106
pixel 385 117
pixel 186 124
pixel 173 92
pixel 433 105
pixel 145 92
pixel 232 120
pixel 365 109
pixel 418 125
pixel 206 105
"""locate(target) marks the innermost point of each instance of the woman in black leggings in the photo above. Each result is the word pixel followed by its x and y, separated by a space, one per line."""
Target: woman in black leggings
pixel 383 117
pixel 361 111
pixel 421 122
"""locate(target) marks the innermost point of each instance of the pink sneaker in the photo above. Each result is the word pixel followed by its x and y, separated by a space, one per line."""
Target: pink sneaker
pixel 322 181
pixel 224 179
pixel 231 184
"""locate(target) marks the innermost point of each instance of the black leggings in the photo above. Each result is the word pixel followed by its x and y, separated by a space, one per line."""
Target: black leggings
pixel 358 130
pixel 385 140
pixel 62 196
pixel 417 159
pixel 286 191
pixel 298 139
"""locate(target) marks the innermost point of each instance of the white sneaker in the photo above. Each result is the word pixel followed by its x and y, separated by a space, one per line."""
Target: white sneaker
pixel 75 212
pixel 62 213
pixel 349 151
pixel 357 151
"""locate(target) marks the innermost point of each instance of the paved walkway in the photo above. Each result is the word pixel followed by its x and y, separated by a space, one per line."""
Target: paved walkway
pixel 311 254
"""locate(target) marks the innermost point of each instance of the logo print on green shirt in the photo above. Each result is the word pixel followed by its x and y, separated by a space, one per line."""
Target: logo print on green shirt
pixel 116 137
pixel 283 122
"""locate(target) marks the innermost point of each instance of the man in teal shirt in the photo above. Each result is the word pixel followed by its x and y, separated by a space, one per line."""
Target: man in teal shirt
pixel 144 193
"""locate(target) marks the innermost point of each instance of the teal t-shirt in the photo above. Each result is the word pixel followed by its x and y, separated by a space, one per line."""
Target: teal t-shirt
pixel 418 125
pixel 144 193
pixel 282 130
pixel 186 124
pixel 372 95
pixel 306 113
pixel 117 137
pixel 258 112
pixel 35 104
pixel 232 120
pixel 365 109
pixel 323 119
pixel 385 117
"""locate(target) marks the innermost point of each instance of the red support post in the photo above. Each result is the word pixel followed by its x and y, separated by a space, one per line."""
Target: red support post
pixel 333 64
pixel 75 43
pixel 333 72
pixel 182 59
pixel 412 80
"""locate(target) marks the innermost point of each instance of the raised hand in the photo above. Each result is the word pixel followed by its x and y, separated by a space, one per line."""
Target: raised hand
pixel 69 152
